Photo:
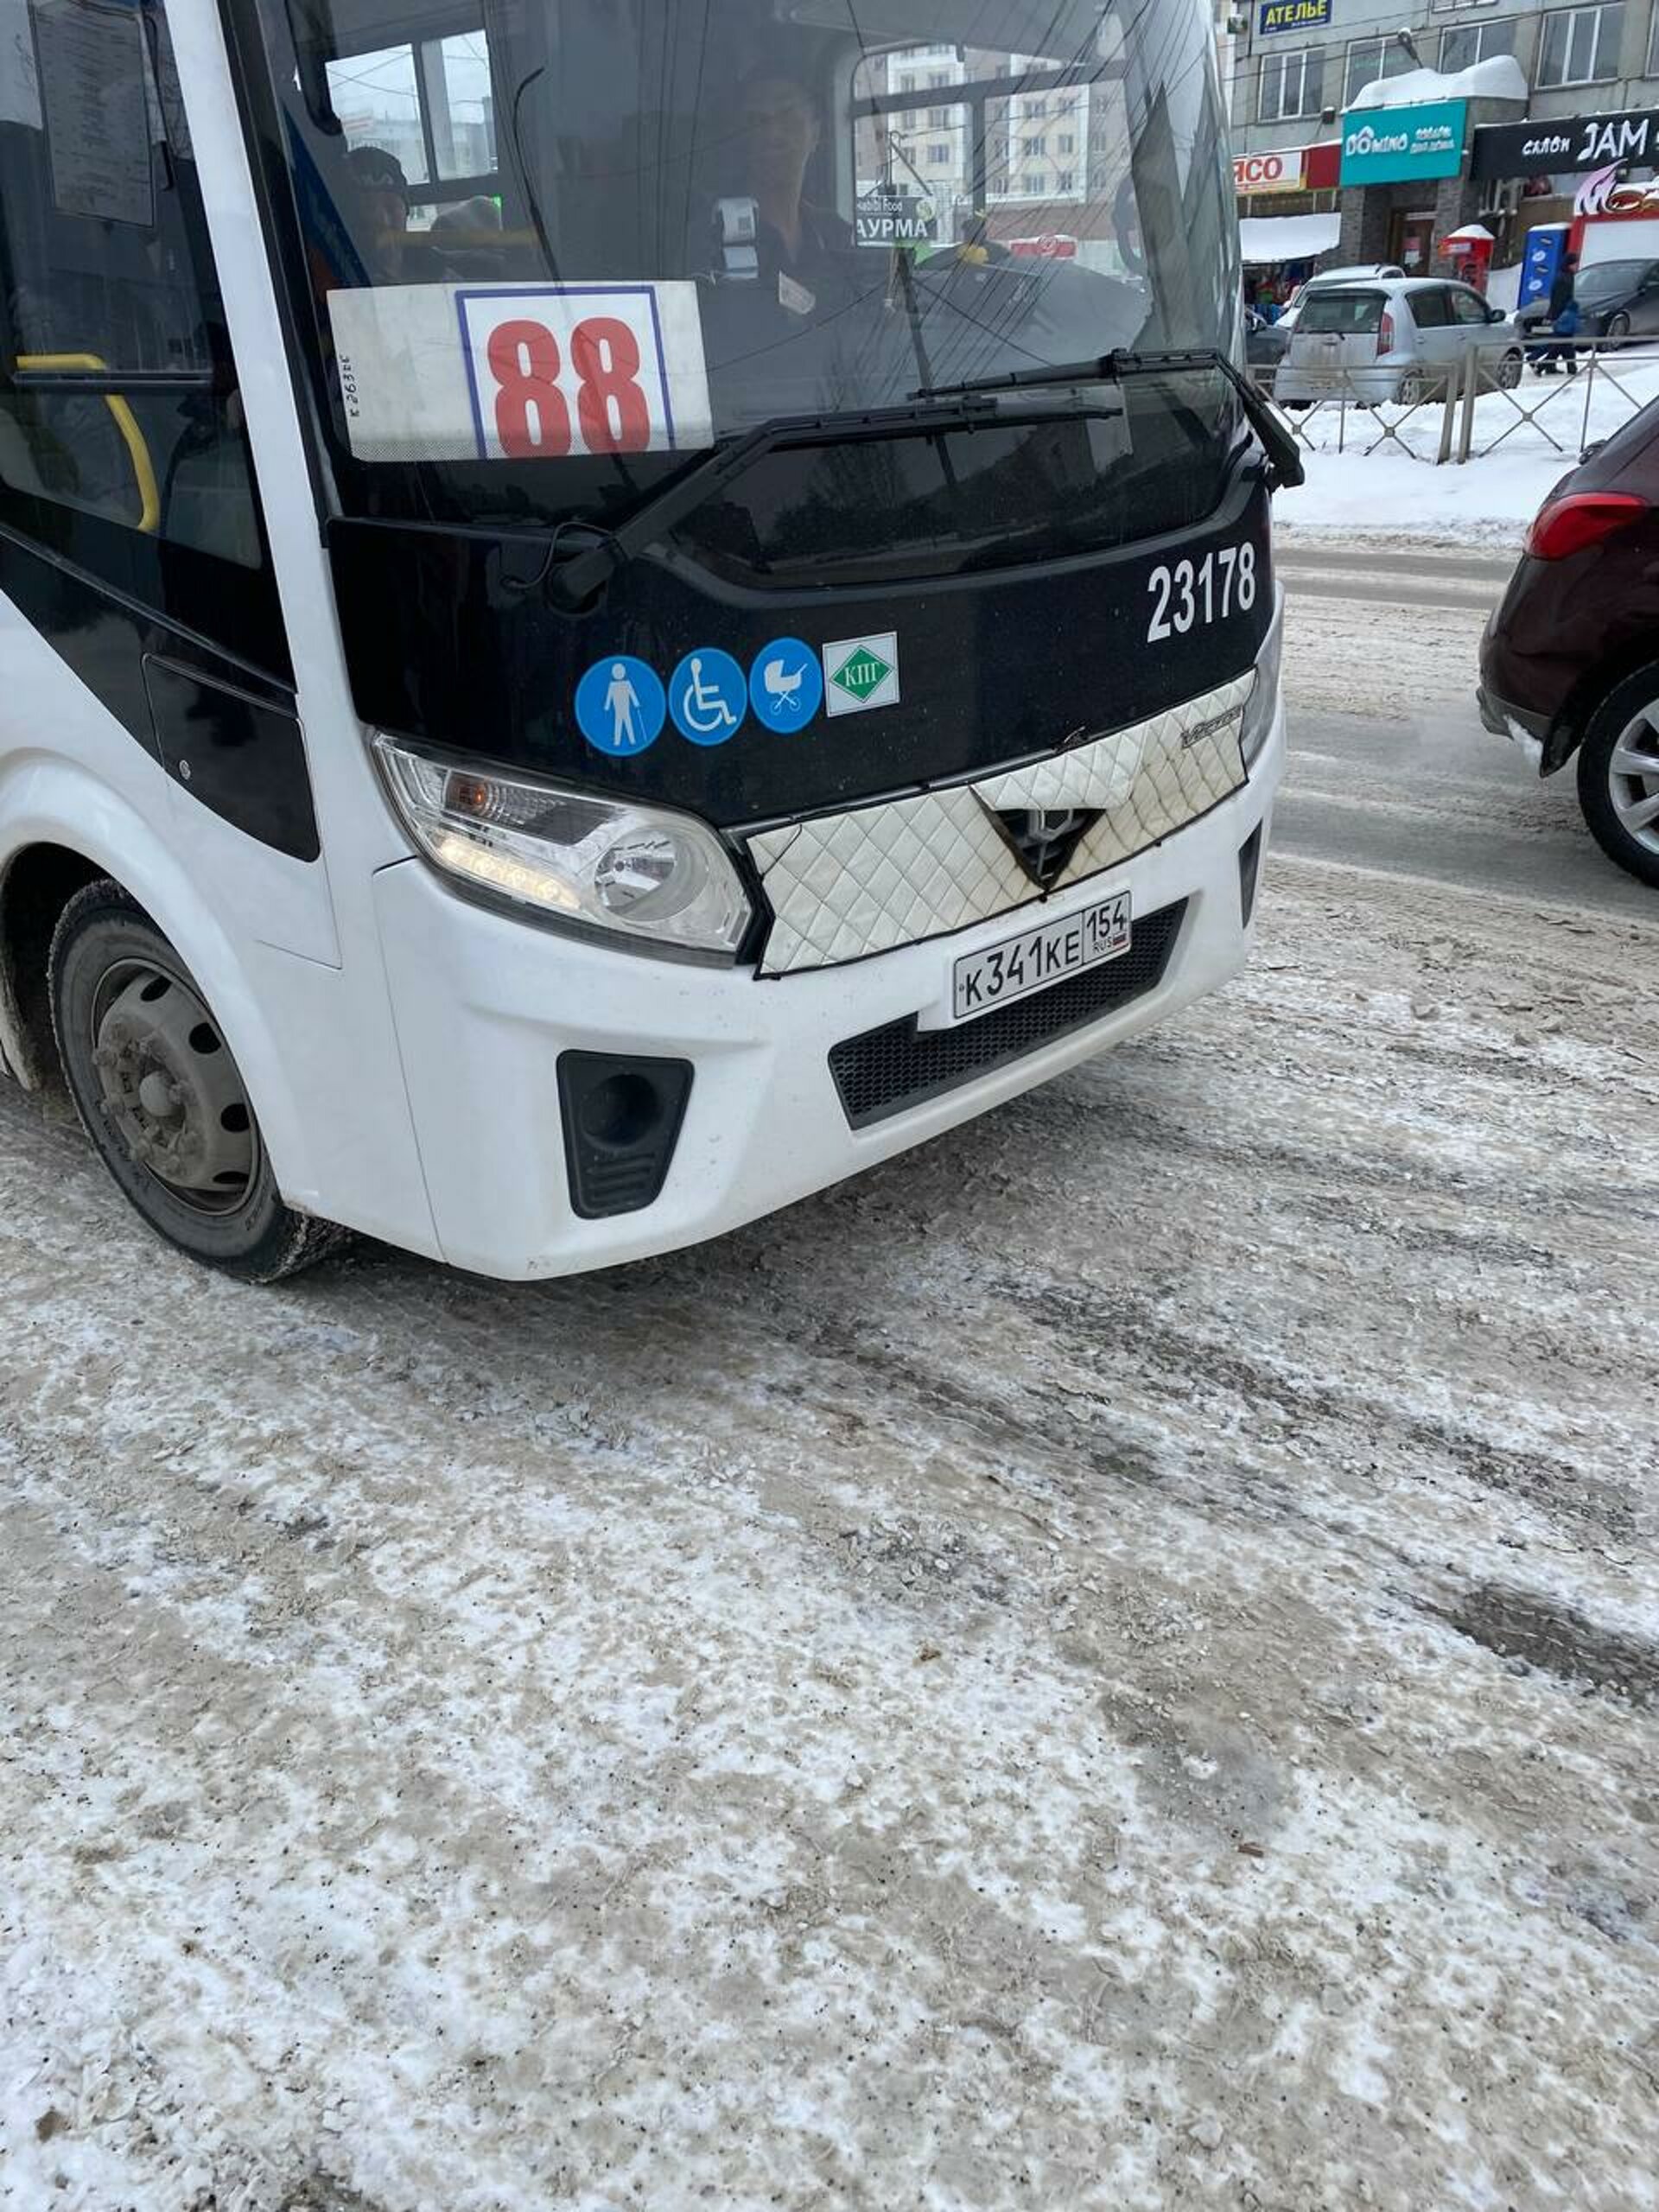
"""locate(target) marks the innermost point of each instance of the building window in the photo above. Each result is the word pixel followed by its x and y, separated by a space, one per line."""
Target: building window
pixel 1064 182
pixel 1461 48
pixel 1066 143
pixel 1369 59
pixel 938 77
pixel 1580 45
pixel 938 157
pixel 1291 84
pixel 1037 183
pixel 938 119
pixel 1037 145
pixel 1037 107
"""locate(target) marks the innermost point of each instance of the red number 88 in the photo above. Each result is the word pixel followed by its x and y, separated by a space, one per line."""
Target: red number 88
pixel 531 415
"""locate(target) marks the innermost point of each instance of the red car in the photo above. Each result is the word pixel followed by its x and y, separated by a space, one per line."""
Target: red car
pixel 1570 660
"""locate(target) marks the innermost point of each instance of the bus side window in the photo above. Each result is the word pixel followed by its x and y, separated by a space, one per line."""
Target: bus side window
pixel 116 397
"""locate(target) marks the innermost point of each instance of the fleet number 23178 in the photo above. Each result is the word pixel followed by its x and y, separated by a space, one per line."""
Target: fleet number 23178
pixel 1194 593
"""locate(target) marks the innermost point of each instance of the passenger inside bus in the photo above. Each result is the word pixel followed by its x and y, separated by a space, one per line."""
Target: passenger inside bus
pixel 382 212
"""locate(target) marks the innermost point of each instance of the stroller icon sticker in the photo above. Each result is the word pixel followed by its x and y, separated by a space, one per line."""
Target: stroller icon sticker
pixel 707 697
pixel 787 684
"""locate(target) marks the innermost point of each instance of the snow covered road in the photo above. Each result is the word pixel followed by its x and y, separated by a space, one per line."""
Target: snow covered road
pixel 1112 1663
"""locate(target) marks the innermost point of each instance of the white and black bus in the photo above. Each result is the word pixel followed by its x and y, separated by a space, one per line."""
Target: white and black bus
pixel 610 609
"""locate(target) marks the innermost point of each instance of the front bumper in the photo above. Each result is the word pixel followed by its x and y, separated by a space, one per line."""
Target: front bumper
pixel 485 1004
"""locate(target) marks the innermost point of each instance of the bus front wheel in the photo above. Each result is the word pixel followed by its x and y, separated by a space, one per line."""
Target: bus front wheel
pixel 161 1098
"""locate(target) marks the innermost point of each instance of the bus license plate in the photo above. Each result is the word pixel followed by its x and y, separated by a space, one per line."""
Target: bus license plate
pixel 1036 957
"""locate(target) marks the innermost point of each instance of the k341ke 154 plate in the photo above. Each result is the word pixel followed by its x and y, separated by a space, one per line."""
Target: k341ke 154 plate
pixel 1038 956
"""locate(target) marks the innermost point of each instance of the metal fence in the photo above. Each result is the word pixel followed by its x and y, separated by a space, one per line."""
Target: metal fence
pixel 1553 397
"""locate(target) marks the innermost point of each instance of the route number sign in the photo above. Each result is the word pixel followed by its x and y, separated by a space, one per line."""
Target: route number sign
pixel 520 372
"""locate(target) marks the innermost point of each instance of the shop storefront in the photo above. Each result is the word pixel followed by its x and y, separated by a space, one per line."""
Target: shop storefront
pixel 1583 175
pixel 1410 192
pixel 1394 162
pixel 1287 215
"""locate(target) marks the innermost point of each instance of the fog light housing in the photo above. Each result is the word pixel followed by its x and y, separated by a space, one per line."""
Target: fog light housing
pixel 621 1119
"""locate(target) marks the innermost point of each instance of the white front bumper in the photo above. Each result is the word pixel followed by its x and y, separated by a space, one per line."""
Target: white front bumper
pixel 485 1004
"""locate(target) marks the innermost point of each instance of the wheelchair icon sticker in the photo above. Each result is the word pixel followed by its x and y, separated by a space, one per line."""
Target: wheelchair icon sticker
pixel 707 697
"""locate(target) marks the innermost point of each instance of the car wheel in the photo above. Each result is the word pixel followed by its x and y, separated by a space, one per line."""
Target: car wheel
pixel 161 1098
pixel 1509 371
pixel 1415 388
pixel 1619 326
pixel 1619 775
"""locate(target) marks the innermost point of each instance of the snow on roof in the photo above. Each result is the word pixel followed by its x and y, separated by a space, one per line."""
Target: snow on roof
pixel 1264 239
pixel 1476 232
pixel 1500 77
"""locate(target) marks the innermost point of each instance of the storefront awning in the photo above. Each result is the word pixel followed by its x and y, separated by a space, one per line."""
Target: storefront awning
pixel 1266 238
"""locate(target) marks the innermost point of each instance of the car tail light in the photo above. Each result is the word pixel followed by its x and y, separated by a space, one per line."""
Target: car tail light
pixel 1563 527
pixel 1385 334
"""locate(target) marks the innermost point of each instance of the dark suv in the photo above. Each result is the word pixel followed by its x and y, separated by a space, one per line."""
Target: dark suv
pixel 1570 660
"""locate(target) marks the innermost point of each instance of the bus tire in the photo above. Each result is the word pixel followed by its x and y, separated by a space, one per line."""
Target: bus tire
pixel 160 1096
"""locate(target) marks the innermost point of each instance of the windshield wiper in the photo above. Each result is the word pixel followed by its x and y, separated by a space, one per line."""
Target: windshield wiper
pixel 1277 439
pixel 571 579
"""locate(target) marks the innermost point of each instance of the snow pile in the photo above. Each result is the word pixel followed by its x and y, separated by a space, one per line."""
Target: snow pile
pixel 1494 496
pixel 1500 77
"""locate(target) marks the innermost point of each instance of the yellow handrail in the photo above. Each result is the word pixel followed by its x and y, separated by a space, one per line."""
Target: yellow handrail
pixel 143 469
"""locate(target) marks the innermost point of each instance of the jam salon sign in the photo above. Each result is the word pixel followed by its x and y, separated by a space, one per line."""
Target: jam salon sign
pixel 1572 145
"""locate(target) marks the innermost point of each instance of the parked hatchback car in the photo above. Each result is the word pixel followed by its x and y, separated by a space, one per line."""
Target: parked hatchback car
pixel 1360 269
pixel 1405 339
pixel 1570 661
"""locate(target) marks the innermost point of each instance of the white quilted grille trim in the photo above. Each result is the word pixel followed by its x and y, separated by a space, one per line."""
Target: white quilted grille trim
pixel 845 886
pixel 1097 775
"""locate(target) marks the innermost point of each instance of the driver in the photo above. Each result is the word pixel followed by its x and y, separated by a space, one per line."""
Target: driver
pixel 780 132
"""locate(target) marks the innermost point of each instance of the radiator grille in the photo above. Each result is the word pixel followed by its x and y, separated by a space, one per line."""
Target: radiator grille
pixel 899 1066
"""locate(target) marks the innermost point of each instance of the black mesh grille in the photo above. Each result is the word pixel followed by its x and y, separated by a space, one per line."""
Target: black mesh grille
pixel 887 1070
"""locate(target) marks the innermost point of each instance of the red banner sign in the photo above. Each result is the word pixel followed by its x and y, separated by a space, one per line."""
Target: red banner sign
pixel 1269 172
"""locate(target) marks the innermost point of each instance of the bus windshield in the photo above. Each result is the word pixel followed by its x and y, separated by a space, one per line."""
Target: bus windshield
pixel 552 246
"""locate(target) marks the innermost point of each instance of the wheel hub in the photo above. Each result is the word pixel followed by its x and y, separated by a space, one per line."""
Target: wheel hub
pixel 1633 779
pixel 169 1088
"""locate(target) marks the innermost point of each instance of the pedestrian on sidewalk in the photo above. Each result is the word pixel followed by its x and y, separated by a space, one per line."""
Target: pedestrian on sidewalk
pixel 1563 318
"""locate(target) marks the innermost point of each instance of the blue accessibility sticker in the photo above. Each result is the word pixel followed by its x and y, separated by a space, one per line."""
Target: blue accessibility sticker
pixel 786 683
pixel 620 704
pixel 707 697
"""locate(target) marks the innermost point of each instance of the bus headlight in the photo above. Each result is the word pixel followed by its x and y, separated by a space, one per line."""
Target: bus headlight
pixel 1263 701
pixel 637 872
